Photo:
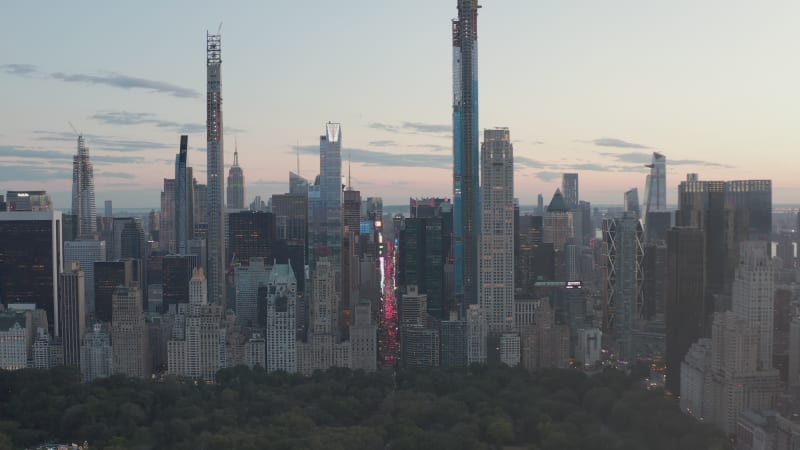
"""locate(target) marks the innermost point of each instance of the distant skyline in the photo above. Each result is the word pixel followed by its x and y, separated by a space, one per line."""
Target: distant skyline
pixel 585 87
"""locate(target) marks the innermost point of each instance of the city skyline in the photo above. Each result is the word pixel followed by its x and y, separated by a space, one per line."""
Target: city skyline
pixel 708 96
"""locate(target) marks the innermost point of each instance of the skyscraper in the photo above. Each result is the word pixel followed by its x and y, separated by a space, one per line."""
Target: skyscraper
pixel 569 188
pixel 497 231
pixel 30 260
pixel 215 171
pixel 182 186
pixel 235 183
pixel 632 202
pixel 466 196
pixel 624 253
pixel 657 218
pixel 754 296
pixel 685 305
pixel 252 235
pixel 86 253
pixel 72 313
pixel 281 320
pixel 166 238
pixel 83 203
pixel 128 333
pixel 656 185
pixel 325 204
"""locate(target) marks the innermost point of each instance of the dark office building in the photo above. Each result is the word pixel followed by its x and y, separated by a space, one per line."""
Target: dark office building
pixel 421 261
pixel 729 212
pixel 72 313
pixel 656 225
pixel 654 266
pixel 291 217
pixel 108 275
pixel 686 302
pixel 176 271
pixel 251 235
pixel 30 260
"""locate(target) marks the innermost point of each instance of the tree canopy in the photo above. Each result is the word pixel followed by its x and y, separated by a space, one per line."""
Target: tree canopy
pixel 477 408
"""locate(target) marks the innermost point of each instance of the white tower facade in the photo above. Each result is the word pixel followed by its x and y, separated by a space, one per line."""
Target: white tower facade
pixel 496 291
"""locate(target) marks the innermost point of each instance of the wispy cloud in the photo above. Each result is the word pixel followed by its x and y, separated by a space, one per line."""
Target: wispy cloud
pixel 19 69
pixel 112 79
pixel 19 172
pixel 26 153
pixel 420 127
pixel 548 176
pixel 98 142
pixel 383 143
pixel 414 128
pixel 613 142
pixel 645 158
pixel 139 118
pixel 520 160
pixel 375 158
pixel 125 175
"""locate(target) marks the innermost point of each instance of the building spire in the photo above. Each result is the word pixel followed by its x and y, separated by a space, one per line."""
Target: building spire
pixel 235 151
pixel 297 151
pixel 349 161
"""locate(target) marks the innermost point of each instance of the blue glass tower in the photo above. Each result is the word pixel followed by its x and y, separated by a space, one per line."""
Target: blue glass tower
pixel 466 199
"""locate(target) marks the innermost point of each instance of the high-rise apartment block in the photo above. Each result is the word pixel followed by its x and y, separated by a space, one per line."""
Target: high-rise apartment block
pixel 184 193
pixel 497 236
pixel 15 339
pixel 197 347
pixel 96 359
pixel 129 334
pixel 281 324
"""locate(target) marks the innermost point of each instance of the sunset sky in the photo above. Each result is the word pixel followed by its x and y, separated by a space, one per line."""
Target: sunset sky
pixel 584 86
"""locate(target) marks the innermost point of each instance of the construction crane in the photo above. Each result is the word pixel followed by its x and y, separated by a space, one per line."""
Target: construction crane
pixel 73 128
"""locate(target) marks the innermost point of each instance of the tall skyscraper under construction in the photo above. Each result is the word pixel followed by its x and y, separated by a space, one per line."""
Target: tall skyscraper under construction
pixel 83 202
pixel 466 196
pixel 215 171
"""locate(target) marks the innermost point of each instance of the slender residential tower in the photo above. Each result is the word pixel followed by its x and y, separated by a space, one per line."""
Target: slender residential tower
pixel 466 204
pixel 181 211
pixel 235 183
pixel 83 204
pixel 215 171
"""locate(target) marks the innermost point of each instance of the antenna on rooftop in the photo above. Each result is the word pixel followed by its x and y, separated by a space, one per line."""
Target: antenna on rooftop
pixel 219 30
pixel 297 150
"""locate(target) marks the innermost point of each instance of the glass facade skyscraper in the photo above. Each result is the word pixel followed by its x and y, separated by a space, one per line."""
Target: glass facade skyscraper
pixel 182 187
pixel 466 195
pixel 325 204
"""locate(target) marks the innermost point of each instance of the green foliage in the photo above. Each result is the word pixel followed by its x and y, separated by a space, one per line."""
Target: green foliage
pixel 479 408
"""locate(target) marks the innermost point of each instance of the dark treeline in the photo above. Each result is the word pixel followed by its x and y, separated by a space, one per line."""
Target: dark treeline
pixel 483 408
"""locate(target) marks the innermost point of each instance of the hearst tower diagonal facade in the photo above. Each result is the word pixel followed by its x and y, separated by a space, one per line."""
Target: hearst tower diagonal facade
pixel 466 198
